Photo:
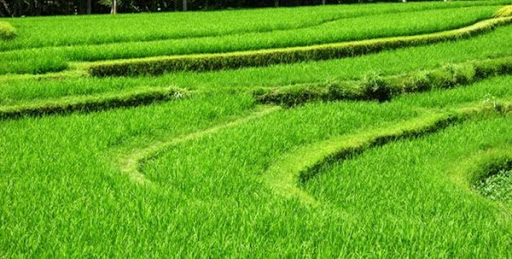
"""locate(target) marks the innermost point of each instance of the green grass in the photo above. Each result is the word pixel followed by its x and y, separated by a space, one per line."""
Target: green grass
pixel 132 98
pixel 100 29
pixel 385 88
pixel 234 60
pixel 304 163
pixel 380 89
pixel 408 184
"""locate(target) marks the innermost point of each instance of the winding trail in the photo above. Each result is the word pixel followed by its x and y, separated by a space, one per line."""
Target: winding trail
pixel 132 163
pixel 302 164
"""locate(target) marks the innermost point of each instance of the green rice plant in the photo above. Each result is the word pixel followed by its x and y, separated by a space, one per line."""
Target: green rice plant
pixel 303 164
pixel 40 32
pixel 394 181
pixel 22 88
pixel 70 184
pixel 208 190
pixel 7 31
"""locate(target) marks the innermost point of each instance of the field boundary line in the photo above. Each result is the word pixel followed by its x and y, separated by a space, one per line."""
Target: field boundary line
pixel 131 164
pixel 233 60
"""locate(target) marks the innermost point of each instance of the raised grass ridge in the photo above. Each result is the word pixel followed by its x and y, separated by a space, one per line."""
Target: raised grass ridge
pixel 504 12
pixel 131 98
pixel 384 88
pixel 234 60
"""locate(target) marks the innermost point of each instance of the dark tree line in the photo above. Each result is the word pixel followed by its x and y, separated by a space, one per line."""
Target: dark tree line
pixel 62 7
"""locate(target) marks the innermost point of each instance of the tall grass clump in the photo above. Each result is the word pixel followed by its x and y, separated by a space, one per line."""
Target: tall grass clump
pixel 7 31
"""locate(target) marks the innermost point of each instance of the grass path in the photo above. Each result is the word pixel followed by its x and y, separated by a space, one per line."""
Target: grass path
pixel 283 177
pixel 131 164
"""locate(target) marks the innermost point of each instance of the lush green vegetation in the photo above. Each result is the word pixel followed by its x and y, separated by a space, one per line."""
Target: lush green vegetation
pixel 384 88
pixel 226 164
pixel 18 8
pixel 157 66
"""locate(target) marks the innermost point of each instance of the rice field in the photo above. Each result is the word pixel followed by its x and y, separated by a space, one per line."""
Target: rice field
pixel 399 152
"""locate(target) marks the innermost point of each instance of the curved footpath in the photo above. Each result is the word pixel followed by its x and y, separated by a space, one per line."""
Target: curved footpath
pixel 131 164
pixel 284 176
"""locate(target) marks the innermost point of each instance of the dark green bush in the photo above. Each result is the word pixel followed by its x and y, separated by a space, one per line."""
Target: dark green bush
pixel 375 87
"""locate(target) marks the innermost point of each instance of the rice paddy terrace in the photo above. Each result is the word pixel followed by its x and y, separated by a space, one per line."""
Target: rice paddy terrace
pixel 371 130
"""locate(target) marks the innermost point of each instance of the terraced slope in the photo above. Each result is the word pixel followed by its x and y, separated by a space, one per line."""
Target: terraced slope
pixel 398 153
